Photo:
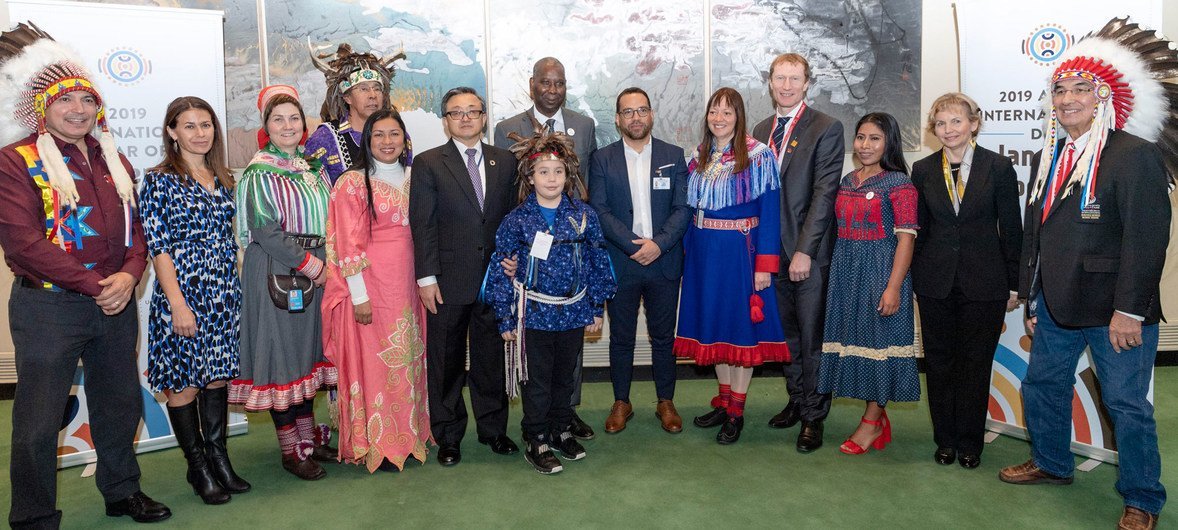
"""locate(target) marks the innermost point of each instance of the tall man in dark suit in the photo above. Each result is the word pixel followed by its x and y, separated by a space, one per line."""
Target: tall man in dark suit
pixel 461 191
pixel 1092 258
pixel 638 185
pixel 809 148
pixel 548 97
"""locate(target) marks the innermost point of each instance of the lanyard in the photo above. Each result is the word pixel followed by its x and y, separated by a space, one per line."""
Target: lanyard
pixel 789 131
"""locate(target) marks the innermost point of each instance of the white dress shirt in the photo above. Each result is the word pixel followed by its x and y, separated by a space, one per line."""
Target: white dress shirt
pixel 542 119
pixel 638 170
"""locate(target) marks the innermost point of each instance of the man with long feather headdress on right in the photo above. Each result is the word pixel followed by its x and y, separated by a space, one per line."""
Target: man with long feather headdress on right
pixel 1096 233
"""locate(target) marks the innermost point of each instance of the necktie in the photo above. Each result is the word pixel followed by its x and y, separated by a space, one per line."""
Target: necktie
pixel 1065 169
pixel 551 124
pixel 475 180
pixel 778 135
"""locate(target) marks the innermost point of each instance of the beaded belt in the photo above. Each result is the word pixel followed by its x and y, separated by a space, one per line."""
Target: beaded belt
pixel 514 358
pixel 744 224
pixel 307 241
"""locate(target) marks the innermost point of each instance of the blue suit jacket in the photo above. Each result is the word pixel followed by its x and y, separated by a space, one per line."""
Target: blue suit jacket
pixel 609 194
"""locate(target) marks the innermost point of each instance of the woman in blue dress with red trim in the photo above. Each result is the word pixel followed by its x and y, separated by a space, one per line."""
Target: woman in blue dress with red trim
pixel 727 314
pixel 867 348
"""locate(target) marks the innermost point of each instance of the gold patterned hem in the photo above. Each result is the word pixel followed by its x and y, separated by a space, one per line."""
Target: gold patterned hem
pixel 891 352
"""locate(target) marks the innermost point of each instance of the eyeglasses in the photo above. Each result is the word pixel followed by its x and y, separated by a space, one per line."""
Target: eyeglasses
pixel 469 114
pixel 642 112
pixel 1079 91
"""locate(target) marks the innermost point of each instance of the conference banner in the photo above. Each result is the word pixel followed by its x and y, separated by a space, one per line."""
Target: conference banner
pixel 1008 50
pixel 170 53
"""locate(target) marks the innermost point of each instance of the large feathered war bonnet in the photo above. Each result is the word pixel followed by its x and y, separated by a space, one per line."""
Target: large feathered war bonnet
pixel 1135 75
pixel 35 71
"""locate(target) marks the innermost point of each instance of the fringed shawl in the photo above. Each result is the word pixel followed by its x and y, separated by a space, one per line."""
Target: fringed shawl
pixel 716 186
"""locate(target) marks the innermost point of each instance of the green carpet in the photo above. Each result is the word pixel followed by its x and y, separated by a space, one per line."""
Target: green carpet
pixel 644 477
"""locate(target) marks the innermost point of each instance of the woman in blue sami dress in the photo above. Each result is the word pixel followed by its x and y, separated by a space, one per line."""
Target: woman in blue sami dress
pixel 727 313
pixel 867 348
pixel 187 209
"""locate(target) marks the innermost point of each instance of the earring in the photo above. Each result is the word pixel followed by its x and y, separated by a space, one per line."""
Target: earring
pixel 175 145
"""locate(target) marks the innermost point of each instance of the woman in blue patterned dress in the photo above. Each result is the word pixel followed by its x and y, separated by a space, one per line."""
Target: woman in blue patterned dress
pixel 282 223
pixel 187 210
pixel 727 312
pixel 867 348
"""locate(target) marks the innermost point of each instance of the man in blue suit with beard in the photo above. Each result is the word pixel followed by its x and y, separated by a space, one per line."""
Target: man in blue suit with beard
pixel 638 185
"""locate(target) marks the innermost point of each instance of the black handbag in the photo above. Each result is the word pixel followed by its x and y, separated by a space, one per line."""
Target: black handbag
pixel 280 286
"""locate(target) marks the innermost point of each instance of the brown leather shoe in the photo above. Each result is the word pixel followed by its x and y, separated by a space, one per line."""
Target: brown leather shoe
pixel 619 414
pixel 1137 519
pixel 305 469
pixel 667 414
pixel 1029 473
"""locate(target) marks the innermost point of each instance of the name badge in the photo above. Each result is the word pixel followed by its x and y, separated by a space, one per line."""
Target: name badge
pixel 1090 212
pixel 662 183
pixel 541 245
pixel 294 301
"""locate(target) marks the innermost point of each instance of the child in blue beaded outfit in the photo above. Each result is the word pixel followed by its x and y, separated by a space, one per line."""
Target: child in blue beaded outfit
pixel 559 291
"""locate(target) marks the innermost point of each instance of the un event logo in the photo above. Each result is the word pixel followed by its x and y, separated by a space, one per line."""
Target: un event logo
pixel 125 66
pixel 1047 43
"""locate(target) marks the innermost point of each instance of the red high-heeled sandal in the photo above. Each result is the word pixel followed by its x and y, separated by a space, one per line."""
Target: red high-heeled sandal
pixel 849 447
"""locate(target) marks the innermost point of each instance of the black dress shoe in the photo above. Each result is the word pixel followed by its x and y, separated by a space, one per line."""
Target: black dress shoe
pixel 730 431
pixel 501 444
pixel 140 507
pixel 717 416
pixel 788 417
pixel 449 454
pixel 580 429
pixel 945 455
pixel 810 438
pixel 969 460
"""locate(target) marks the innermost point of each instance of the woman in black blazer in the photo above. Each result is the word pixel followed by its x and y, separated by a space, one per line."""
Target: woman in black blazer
pixel 964 272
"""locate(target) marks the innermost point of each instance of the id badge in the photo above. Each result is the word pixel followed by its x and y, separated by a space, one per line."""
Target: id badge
pixel 294 301
pixel 541 245
pixel 662 183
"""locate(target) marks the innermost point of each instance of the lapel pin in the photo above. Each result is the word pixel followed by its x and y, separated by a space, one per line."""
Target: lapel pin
pixel 491 162
pixel 870 195
pixel 793 143
pixel 570 131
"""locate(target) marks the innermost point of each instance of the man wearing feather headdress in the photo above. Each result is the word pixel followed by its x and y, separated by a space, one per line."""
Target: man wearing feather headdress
pixel 73 239
pixel 1097 226
pixel 357 86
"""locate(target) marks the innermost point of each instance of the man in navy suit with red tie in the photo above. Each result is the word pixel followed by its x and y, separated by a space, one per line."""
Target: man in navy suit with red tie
pixel 809 149
pixel 638 185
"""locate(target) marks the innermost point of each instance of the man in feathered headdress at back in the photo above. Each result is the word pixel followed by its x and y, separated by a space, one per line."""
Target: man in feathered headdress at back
pixel 73 239
pixel 357 86
pixel 1096 232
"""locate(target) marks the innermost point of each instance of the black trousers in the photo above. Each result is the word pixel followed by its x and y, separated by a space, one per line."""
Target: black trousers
pixel 447 334
pixel 51 332
pixel 803 313
pixel 547 395
pixel 661 299
pixel 959 338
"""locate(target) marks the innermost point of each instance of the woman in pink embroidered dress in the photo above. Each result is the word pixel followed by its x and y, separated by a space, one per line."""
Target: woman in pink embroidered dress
pixel 373 320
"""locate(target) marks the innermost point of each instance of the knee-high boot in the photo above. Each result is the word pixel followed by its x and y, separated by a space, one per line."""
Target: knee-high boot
pixel 187 431
pixel 214 421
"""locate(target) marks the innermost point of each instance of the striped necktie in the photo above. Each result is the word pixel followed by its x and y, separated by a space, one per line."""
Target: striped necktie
pixel 1065 170
pixel 475 179
pixel 779 135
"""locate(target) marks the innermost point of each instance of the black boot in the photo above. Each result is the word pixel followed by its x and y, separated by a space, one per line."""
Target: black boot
pixel 214 421
pixel 184 426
